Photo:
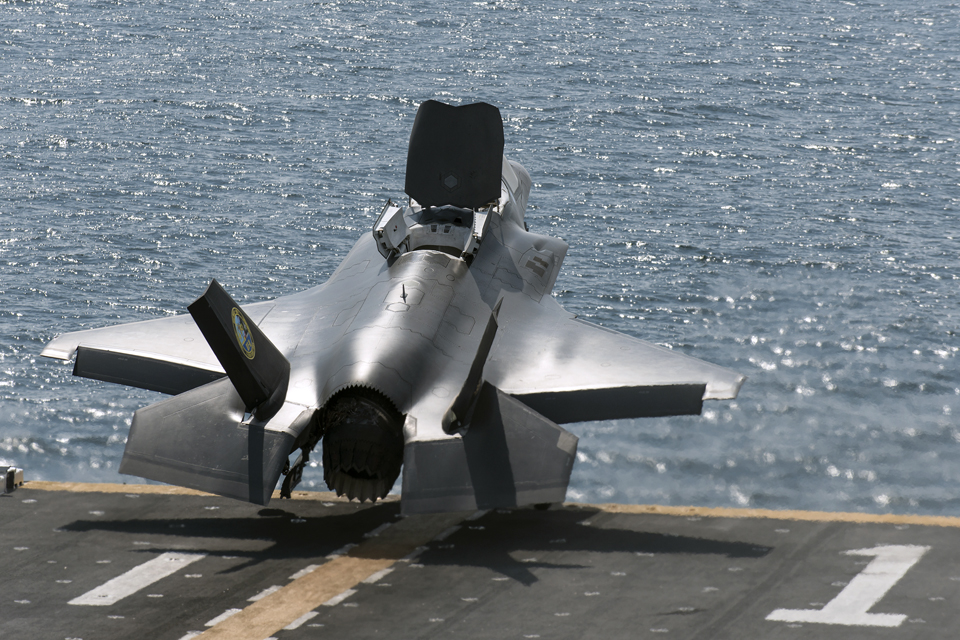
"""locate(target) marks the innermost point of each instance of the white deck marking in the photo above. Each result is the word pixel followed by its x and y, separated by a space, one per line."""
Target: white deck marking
pixel 850 606
pixel 340 597
pixel 223 616
pixel 264 593
pixel 307 569
pixel 296 624
pixel 136 579
pixel 342 551
pixel 413 554
pixel 374 577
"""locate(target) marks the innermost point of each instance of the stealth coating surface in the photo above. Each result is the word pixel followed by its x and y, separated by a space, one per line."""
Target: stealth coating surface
pixel 198 439
pixel 509 456
pixel 411 328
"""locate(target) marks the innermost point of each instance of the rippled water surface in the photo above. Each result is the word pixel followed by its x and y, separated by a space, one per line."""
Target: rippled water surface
pixel 771 186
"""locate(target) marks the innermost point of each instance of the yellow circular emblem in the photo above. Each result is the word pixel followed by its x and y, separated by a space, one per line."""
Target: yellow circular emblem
pixel 242 331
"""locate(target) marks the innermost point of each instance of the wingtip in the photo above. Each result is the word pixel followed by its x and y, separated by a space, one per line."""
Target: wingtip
pixel 724 389
pixel 58 353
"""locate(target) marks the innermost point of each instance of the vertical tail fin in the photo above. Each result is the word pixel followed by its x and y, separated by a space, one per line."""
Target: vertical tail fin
pixel 258 370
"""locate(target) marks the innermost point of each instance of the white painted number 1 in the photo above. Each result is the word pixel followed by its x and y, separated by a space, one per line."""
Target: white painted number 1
pixel 890 563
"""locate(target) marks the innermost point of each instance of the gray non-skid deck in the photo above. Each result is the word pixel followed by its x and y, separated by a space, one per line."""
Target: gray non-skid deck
pixel 115 561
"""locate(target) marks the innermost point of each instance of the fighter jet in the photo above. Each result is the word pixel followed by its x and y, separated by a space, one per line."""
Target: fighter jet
pixel 435 349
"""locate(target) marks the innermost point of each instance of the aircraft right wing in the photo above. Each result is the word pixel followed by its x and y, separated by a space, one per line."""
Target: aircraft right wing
pixel 569 370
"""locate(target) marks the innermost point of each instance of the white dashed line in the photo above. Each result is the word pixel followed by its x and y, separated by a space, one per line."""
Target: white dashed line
pixel 223 616
pixel 296 624
pixel 307 569
pixel 340 597
pixel 342 551
pixel 263 594
pixel 139 577
pixel 377 531
pixel 374 577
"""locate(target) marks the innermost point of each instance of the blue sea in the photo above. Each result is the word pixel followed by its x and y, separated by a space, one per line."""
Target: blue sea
pixel 770 186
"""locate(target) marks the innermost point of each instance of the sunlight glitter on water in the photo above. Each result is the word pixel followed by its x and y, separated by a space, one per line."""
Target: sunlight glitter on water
pixel 745 184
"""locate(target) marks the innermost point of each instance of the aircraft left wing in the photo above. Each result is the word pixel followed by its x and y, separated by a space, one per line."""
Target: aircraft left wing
pixel 169 355
pixel 569 370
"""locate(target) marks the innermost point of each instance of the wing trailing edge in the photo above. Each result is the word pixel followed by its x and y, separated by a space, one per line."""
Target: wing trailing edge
pixel 141 370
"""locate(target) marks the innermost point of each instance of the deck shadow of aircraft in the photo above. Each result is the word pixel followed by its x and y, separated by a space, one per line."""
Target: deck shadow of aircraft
pixel 282 533
pixel 532 531
pixel 489 542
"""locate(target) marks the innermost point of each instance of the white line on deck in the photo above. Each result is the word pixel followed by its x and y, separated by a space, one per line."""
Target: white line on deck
pixel 136 579
pixel 374 577
pixel 307 569
pixel 296 624
pixel 223 616
pixel 340 597
pixel 264 593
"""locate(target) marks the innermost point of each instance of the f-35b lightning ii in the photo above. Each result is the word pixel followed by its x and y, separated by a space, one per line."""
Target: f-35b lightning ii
pixel 435 348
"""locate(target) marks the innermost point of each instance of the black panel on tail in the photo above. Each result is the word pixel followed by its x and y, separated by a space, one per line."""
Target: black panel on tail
pixel 256 367
pixel 455 155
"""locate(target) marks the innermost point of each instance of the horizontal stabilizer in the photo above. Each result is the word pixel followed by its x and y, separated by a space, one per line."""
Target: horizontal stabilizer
pixel 257 368
pixel 509 456
pixel 198 440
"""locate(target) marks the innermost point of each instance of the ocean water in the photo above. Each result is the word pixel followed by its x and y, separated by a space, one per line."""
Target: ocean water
pixel 771 186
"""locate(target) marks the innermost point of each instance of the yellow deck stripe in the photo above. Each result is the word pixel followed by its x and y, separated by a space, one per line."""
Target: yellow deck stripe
pixel 168 490
pixel 811 516
pixel 272 613
pixel 703 512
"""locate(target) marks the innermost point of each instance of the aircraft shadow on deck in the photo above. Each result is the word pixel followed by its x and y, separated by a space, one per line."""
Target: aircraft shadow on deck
pixel 489 542
pixel 562 530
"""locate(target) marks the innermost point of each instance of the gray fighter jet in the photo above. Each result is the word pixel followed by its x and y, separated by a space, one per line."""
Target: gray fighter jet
pixel 436 347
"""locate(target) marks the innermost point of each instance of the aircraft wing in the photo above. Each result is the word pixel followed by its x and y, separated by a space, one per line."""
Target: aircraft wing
pixel 169 355
pixel 569 370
